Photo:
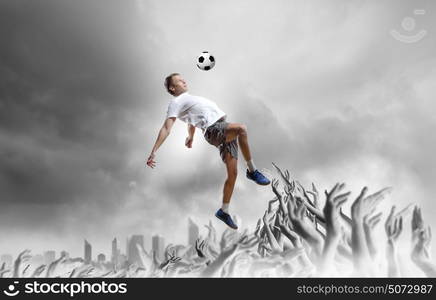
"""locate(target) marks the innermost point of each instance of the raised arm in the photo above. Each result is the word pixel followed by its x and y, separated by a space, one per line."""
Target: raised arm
pixel 334 200
pixel 393 228
pixel 361 207
pixel 163 133
pixel 190 138
pixel 421 239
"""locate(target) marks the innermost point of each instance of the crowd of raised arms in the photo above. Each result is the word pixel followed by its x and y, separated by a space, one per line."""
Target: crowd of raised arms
pixel 294 238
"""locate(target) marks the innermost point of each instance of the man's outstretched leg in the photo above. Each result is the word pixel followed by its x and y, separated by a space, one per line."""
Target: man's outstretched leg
pixel 239 131
pixel 229 184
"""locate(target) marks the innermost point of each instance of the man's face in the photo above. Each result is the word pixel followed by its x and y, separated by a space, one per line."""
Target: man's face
pixel 179 85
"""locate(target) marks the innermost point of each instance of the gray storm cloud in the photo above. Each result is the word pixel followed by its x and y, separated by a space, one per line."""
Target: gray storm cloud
pixel 324 89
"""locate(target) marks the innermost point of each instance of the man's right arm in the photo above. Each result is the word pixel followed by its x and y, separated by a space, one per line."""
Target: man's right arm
pixel 163 133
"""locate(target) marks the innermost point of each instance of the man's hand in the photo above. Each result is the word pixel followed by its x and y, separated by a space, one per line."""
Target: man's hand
pixel 150 161
pixel 188 141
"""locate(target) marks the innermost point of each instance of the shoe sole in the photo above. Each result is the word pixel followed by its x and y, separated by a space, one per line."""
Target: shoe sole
pixel 258 182
pixel 263 183
pixel 226 223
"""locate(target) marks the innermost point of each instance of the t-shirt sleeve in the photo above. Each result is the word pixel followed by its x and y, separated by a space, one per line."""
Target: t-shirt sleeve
pixel 173 110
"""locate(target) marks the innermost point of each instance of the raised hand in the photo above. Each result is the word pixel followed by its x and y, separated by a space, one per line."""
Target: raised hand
pixel 315 195
pixel 311 207
pixel 201 247
pixel 346 218
pixel 242 244
pixel 263 248
pixel 150 161
pixel 188 141
pixel 333 203
pixel 53 267
pixel 271 203
pixel 304 227
pixel 228 238
pixel 173 258
pixel 365 205
pixel 258 228
pixel 369 223
pixel 285 177
pixel 421 239
pixel 332 207
pixel 421 245
pixel 417 221
pixel 3 270
pixel 275 247
pixel 303 191
pixel 38 271
pixel 22 258
pixel 362 206
pixel 393 228
pixel 405 212
pixel 293 237
pixel 23 274
pixel 168 250
pixel 274 185
pixel 81 271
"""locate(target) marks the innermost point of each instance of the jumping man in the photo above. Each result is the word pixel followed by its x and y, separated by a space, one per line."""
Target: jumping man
pixel 204 114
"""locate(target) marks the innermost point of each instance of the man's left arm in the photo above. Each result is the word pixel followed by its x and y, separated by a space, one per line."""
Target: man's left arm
pixel 190 138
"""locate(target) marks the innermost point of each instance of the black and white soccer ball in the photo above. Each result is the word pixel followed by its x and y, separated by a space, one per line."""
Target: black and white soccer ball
pixel 205 61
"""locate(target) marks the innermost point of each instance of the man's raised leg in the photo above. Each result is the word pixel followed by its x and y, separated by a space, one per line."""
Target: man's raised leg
pixel 229 184
pixel 239 131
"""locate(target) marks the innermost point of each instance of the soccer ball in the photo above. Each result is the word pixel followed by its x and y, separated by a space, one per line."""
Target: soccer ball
pixel 205 61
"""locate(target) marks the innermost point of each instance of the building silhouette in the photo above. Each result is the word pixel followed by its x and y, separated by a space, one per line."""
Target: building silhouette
pixel 158 246
pixel 115 252
pixel 133 256
pixel 101 258
pixel 88 252
pixel 122 261
pixel 127 247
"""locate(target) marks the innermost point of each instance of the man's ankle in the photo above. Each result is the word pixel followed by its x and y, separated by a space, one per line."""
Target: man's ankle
pixel 225 208
pixel 250 165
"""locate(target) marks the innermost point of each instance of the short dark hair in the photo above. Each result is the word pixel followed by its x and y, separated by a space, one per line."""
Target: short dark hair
pixel 169 82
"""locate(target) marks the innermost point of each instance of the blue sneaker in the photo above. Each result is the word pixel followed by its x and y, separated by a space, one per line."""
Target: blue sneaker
pixel 226 218
pixel 257 177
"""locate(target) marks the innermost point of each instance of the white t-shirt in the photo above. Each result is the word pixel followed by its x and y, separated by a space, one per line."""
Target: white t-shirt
pixel 197 111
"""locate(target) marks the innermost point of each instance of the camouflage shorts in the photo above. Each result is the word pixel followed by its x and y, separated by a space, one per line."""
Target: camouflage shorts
pixel 215 135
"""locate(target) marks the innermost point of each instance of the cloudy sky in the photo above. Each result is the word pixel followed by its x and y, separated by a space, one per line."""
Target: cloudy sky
pixel 325 90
